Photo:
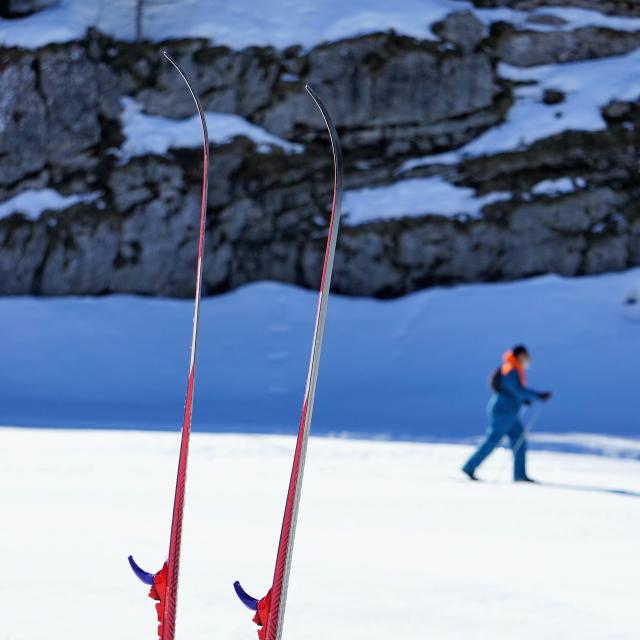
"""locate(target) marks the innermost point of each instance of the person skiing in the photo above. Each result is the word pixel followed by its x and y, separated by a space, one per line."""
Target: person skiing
pixel 510 394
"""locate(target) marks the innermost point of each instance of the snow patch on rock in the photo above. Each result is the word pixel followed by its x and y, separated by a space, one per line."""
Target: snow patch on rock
pixel 147 134
pixel 415 197
pixel 588 85
pixel 33 202
pixel 557 186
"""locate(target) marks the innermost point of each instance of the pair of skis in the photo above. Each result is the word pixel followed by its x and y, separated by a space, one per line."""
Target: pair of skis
pixel 164 584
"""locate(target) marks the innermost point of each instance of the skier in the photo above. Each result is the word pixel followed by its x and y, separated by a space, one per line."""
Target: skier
pixel 510 394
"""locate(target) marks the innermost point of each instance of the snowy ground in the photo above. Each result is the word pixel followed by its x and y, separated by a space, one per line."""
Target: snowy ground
pixel 415 367
pixel 391 543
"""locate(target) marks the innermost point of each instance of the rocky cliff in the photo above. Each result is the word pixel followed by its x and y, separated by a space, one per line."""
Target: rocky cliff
pixel 394 98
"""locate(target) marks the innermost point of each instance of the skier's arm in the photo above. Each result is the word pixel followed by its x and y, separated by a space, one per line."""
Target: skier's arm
pixel 512 385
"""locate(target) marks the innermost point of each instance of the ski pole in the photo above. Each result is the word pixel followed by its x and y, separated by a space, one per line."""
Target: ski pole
pixel 536 413
pixel 535 416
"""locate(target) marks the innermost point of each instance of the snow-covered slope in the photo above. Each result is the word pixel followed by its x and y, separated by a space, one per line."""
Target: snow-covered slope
pixel 390 542
pixel 273 22
pixel 415 367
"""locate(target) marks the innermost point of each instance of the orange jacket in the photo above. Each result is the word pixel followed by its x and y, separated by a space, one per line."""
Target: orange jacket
pixel 509 363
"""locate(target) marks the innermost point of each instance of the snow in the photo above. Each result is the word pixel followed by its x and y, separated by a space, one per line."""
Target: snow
pixel 448 157
pixel 390 543
pixel 414 368
pixel 145 134
pixel 413 197
pixel 589 86
pixel 31 203
pixel 588 443
pixel 558 185
pixel 280 23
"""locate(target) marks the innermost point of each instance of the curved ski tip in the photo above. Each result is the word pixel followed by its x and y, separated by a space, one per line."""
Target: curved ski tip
pixel 142 575
pixel 248 601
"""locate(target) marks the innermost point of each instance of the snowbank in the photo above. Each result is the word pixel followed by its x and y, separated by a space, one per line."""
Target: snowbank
pixel 390 542
pixel 414 367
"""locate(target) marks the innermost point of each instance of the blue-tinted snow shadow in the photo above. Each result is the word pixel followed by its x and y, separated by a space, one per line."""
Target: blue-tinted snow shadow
pixel 590 489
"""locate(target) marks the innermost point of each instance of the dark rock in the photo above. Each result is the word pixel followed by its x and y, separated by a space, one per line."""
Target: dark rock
pixel 23 116
pixel 531 48
pixel 553 96
pixel 612 7
pixel 620 111
pixel 20 8
pixel 24 248
pixel 546 19
pixel 239 82
pixel 392 93
pixel 461 28
pixel 55 106
pixel 387 92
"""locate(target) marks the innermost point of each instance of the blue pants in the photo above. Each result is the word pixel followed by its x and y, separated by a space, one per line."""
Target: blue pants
pixel 500 427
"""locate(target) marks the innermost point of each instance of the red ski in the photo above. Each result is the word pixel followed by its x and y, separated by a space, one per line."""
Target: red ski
pixel 270 609
pixel 164 583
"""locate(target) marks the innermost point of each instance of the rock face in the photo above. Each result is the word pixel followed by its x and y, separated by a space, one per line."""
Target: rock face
pixel 56 108
pixel 530 48
pixel 393 98
pixel 461 28
pixel 391 94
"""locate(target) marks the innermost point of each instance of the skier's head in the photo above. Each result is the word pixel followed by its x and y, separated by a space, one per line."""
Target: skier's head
pixel 521 352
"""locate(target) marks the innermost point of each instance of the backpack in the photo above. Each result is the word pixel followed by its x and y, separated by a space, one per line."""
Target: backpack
pixel 494 380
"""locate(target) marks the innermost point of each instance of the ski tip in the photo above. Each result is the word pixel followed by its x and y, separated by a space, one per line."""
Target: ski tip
pixel 143 576
pixel 248 601
pixel 165 53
